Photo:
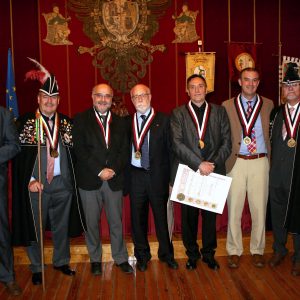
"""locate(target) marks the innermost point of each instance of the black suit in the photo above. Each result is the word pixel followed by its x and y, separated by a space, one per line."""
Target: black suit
pixel 186 147
pixel 9 147
pixel 92 156
pixel 152 187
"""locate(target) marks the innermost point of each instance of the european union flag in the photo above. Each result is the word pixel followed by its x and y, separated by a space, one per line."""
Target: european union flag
pixel 11 97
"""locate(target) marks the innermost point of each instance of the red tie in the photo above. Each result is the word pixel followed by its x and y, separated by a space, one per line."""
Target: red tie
pixel 252 146
pixel 50 159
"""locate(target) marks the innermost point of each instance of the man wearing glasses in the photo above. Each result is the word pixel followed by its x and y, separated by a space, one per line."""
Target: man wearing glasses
pixel 150 174
pixel 284 173
pixel 101 147
pixel 56 182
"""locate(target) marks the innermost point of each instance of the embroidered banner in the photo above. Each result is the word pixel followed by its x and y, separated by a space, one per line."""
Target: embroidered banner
pixel 202 63
pixel 241 56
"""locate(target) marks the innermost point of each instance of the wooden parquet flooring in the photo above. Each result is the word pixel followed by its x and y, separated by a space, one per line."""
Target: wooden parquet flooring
pixel 159 282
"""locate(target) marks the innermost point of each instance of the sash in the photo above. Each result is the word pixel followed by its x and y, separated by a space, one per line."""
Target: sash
pixel 201 128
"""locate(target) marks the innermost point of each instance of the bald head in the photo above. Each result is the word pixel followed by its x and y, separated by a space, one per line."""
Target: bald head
pixel 141 97
pixel 102 95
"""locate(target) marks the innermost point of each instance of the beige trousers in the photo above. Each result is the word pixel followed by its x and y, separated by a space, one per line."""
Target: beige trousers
pixel 249 177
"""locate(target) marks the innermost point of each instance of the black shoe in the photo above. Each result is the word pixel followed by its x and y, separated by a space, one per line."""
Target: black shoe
pixel 211 262
pixel 171 262
pixel 37 278
pixel 191 264
pixel 142 265
pixel 96 268
pixel 125 267
pixel 65 269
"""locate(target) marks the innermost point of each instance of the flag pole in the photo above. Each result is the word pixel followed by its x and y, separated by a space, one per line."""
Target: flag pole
pixel 39 133
pixel 11 34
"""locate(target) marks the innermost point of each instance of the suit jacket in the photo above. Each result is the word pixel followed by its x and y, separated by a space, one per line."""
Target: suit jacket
pixel 159 153
pixel 91 152
pixel 236 128
pixel 9 143
pixel 185 140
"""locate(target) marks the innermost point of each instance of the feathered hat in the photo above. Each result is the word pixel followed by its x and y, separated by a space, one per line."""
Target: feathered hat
pixel 291 74
pixel 48 81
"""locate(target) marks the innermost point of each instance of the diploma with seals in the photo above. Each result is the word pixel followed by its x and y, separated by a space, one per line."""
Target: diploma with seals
pixel 205 192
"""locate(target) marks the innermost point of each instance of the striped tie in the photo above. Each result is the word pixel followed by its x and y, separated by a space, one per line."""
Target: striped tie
pixel 252 146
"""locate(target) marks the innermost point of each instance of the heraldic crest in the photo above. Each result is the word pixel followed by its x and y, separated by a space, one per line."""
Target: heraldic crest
pixel 121 31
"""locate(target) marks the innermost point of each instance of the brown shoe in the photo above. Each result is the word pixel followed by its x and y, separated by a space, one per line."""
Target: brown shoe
pixel 258 260
pixel 276 260
pixel 296 268
pixel 13 288
pixel 233 261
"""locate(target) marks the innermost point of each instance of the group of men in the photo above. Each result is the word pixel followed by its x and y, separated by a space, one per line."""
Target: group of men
pixel 79 168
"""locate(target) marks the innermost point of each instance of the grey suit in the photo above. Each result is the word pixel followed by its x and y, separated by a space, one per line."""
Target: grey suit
pixel 9 147
pixel 56 205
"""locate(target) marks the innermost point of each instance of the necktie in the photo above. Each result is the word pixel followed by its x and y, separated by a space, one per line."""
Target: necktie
pixel 50 159
pixel 284 132
pixel 145 148
pixel 252 146
pixel 103 121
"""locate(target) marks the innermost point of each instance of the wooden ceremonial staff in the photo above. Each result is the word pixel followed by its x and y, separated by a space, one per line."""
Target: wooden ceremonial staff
pixel 39 132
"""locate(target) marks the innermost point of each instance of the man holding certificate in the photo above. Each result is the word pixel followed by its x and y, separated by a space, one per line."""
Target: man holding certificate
pixel 201 140
pixel 248 166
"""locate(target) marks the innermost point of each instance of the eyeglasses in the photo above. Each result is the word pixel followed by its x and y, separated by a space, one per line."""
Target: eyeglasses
pixel 288 85
pixel 143 96
pixel 46 97
pixel 102 96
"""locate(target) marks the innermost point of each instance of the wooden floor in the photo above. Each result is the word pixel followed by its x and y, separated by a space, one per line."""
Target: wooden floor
pixel 159 282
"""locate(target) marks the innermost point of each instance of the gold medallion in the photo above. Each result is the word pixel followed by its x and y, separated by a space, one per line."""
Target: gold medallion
pixel 201 144
pixel 291 143
pixel 137 155
pixel 247 140
pixel 180 196
pixel 54 153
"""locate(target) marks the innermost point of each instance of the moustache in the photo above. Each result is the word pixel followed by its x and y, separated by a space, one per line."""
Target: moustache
pixel 102 103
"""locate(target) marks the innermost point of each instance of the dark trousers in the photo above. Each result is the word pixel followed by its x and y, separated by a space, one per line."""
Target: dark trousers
pixel 278 200
pixel 142 193
pixel 189 222
pixel 6 254
pixel 56 204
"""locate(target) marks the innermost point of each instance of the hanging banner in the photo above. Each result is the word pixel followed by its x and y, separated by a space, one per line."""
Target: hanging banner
pixel 202 63
pixel 241 56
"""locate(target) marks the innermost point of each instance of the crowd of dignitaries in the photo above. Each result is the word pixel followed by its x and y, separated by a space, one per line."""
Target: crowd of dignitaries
pixel 78 168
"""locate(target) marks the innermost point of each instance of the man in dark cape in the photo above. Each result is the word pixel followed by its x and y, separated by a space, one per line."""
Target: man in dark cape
pixel 285 171
pixel 57 183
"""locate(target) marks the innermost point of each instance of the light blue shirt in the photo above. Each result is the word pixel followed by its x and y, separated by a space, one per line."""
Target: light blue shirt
pixel 137 162
pixel 260 141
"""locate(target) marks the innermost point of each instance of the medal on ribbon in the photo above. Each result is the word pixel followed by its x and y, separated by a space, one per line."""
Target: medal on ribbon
pixel 105 129
pixel 201 128
pixel 139 135
pixel 247 122
pixel 52 135
pixel 291 125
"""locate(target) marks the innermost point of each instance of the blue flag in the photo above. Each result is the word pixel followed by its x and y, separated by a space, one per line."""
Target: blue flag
pixel 11 97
